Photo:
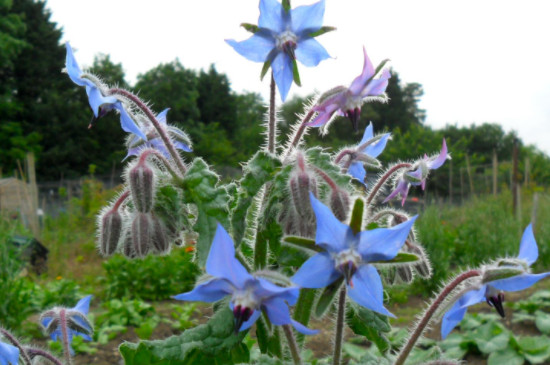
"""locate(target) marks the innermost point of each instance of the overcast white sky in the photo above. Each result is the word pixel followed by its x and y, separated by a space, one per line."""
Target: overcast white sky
pixel 478 61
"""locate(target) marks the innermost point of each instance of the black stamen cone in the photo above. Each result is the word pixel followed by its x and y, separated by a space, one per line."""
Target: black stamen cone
pixel 241 315
pixel 353 115
pixel 288 48
pixel 348 269
pixel 497 303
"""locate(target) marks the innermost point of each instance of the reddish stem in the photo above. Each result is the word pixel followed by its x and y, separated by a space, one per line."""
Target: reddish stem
pixel 17 344
pixel 385 178
pixel 120 200
pixel 65 336
pixel 421 326
pixel 271 132
pixel 300 132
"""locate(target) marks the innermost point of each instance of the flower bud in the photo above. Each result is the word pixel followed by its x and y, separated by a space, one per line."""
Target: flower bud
pixel 494 273
pixel 141 233
pixel 300 186
pixel 160 236
pixel 142 186
pixel 339 204
pixel 110 231
pixel 422 267
pixel 405 273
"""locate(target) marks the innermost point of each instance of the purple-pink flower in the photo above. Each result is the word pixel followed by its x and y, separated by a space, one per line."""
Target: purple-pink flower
pixel 368 86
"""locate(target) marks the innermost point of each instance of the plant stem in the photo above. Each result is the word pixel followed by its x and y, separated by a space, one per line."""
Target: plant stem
pixel 161 131
pixel 339 335
pixel 45 354
pixel 299 133
pixel 162 159
pixel 292 344
pixel 65 336
pixel 385 178
pixel 421 326
pixel 271 126
pixel 17 344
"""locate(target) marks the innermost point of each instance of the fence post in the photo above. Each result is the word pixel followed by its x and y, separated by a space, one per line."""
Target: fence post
pixel 451 181
pixel 462 184
pixel 495 171
pixel 468 170
pixel 31 173
pixel 527 171
pixel 534 211
pixel 515 176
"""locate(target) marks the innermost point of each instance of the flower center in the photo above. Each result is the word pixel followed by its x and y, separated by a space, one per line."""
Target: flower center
pixel 244 304
pixel 287 42
pixel 347 262
pixel 495 298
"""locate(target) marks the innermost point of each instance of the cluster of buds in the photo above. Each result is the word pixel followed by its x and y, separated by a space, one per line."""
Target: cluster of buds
pixel 130 225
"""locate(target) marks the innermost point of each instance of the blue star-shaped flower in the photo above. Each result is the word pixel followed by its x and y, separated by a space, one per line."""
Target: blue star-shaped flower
pixel 74 318
pixel 350 255
pixel 9 355
pixel 365 150
pixel 284 36
pixel 492 291
pixel 179 138
pixel 99 102
pixel 249 295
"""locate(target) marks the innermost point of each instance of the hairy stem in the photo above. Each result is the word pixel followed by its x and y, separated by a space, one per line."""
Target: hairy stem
pixel 293 346
pixel 65 336
pixel 299 133
pixel 161 131
pixel 385 178
pixel 162 159
pixel 14 342
pixel 421 326
pixel 44 354
pixel 339 335
pixel 271 126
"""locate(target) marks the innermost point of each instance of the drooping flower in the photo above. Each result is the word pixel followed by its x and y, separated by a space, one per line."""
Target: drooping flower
pixel 179 138
pixel 370 85
pixel 9 355
pixel 351 255
pixel 282 37
pixel 517 276
pixel 75 321
pixel 366 152
pixel 249 295
pixel 100 102
pixel 418 174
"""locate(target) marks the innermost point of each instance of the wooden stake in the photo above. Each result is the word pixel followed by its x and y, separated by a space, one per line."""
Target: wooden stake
pixel 495 172
pixel 515 176
pixel 469 171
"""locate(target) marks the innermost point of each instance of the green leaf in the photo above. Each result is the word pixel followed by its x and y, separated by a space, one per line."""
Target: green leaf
pixel 303 309
pixel 303 242
pixel 265 68
pixel 286 5
pixel 327 297
pixel 491 337
pixel 269 339
pixel 370 324
pixel 542 321
pixel 261 168
pixel 401 257
pixel 296 73
pixel 419 356
pixel 507 356
pixel 200 186
pixel 322 30
pixel 252 28
pixel 357 215
pixel 536 349
pixel 210 343
pixel 354 351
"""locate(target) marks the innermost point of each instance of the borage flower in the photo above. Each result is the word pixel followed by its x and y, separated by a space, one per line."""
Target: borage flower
pixel 351 255
pixel 72 320
pixel 100 102
pixel 179 138
pixel 418 174
pixel 366 151
pixel 9 355
pixel 370 85
pixel 249 295
pixel 284 36
pixel 505 275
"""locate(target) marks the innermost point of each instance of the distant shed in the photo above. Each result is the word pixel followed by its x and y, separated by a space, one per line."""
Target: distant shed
pixel 14 199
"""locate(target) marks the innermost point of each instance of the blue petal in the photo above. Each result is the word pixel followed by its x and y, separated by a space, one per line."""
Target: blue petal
pixel 317 272
pixel 182 146
pixel 473 297
pixel 265 289
pixel 127 123
pixel 255 48
pixel 278 313
pixel 210 291
pixel 8 354
pixel 368 135
pixel 253 318
pixel 83 305
pixel 221 261
pixel 440 159
pixel 310 52
pixel 282 72
pixel 366 289
pixel 96 98
pixel 73 69
pixel 377 86
pixel 375 149
pixel 307 19
pixel 519 282
pixel 452 318
pixel 271 16
pixel 384 243
pixel 528 249
pixel 161 117
pixel 357 170
pixel 331 234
